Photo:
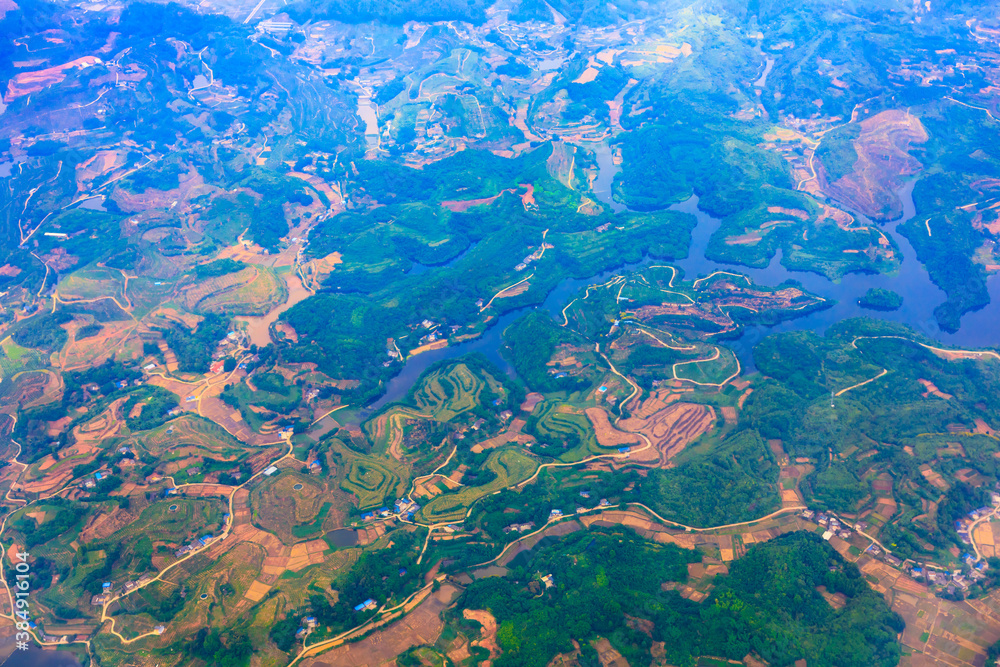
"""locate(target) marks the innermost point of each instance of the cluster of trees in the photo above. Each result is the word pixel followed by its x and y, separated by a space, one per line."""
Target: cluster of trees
pixel 218 267
pixel 768 605
pixel 41 331
pixel 64 516
pixel 390 573
pixel 879 419
pixel 193 347
pixel 879 298
pixel 106 377
pixel 156 406
pixel 735 481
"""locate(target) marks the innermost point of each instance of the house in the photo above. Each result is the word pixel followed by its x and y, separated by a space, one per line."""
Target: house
pixel 310 622
pixel 581 510
pixel 808 514
pixel 160 629
pixel 367 516
pixel 107 586
pixel 301 633
pixel 605 502
pixel 270 471
pixel 206 540
pixel 366 605
pixel 555 514
pixel 892 560
pixel 402 571
pixel 506 414
pixel 478 424
pixel 585 494
pixel 624 450
pixel 549 581
pixel 98 600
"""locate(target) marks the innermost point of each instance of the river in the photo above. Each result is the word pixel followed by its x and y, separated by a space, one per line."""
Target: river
pixel 920 295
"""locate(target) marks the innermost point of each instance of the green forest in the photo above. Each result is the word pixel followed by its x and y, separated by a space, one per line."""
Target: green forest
pixel 768 605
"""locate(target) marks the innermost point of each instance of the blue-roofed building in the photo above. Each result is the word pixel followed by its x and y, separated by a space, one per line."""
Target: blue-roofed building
pixel 367 516
pixel 366 605
pixel 624 450
pixel 555 513
pixel 107 585
pixel 98 476
pixel 402 571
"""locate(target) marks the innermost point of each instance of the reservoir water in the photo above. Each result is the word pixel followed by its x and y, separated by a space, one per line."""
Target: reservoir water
pixel 920 295
pixel 36 657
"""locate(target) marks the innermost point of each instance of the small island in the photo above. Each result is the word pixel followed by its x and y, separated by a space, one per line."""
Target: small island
pixel 878 298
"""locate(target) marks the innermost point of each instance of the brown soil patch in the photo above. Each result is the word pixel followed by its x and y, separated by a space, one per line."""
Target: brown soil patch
pixel 511 434
pixel 257 591
pixel 669 428
pixel 883 162
pixel 489 631
pixel 460 206
pixel 27 83
pixel 793 212
pixel 608 435
pixel 422 626
pixel 608 656
pixel 729 414
pixel 932 390
pixel 530 401
pixel 835 600
pixel 514 290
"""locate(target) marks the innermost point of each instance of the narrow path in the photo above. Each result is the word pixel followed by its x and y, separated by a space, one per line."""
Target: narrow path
pixel 490 302
pixel 885 371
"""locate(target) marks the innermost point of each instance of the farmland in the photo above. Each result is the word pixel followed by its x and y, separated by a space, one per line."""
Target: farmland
pixel 498 312
pixel 510 468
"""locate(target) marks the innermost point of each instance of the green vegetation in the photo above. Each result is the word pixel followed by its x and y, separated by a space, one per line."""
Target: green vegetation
pixel 510 467
pixel 877 298
pixel 372 480
pixel 767 606
pixel 735 481
pixel 148 407
pixel 194 348
pixel 897 424
pixel 219 267
pixel 836 152
pixel 41 331
pixel 269 397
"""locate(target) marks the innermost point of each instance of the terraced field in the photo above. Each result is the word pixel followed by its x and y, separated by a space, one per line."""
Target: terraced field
pixel 371 479
pixel 254 290
pixel 387 430
pixel 193 517
pixel 511 467
pixel 280 508
pixel 559 423
pixel 447 393
pixel 190 431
